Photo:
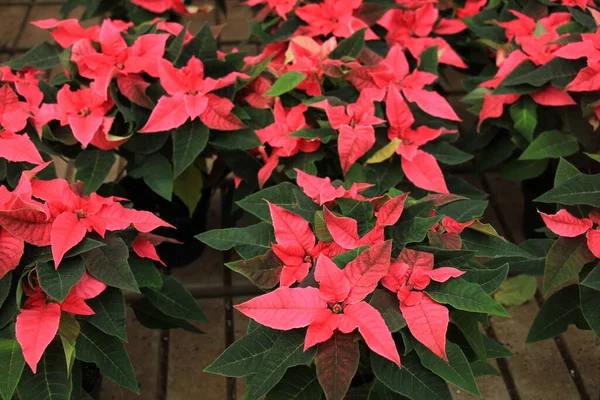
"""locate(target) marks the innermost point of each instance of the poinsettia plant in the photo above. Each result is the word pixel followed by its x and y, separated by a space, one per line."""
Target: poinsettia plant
pixel 571 272
pixel 140 11
pixel 535 100
pixel 65 260
pixel 344 267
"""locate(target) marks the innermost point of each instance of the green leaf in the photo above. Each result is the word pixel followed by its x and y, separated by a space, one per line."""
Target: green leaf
pixel 465 296
pixel 518 170
pixel 264 270
pixel 109 317
pixel 524 115
pixel 245 356
pixel 494 349
pixel 413 225
pixel 481 368
pixel 456 370
pixel 491 246
pixel 57 283
pixel 146 144
pixel 341 260
pixel 286 195
pixel 108 353
pixel 337 362
pixel 350 47
pixel 285 83
pixel 188 142
pixel 447 154
pixel 324 134
pixel 158 175
pixel 298 383
pixel 203 46
pixel 590 308
pixel 51 381
pixel 516 291
pixel 557 70
pixel 469 326
pixel 560 310
pixel 12 361
pixel 145 272
pixel 464 210
pixel 387 304
pixel 152 318
pixel 44 254
pixel 564 172
pixel 174 300
pixel 250 241
pixel 68 331
pixel 580 189
pixel 412 380
pixel 109 264
pixel 286 352
pixel 429 60
pixel 592 280
pixel 550 144
pixel 44 56
pixel 188 187
pixel 174 49
pixel 489 279
pixel 565 260
pixel 93 166
pixel 243 139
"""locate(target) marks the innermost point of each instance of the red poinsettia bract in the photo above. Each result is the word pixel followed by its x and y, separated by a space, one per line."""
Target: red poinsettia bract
pixel 336 305
pixel 421 168
pixel 322 191
pixel 277 135
pixel 116 58
pixel 83 110
pixel 426 319
pixel 38 322
pixel 335 17
pixel 565 224
pixel 355 125
pixel 394 71
pixel 189 97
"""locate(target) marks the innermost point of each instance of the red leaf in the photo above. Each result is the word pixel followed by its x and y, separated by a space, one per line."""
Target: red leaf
pixel 88 287
pixel 217 114
pixel 343 230
pixel 11 251
pixel 391 210
pixel 290 229
pixel 424 172
pixel 565 224
pixel 442 274
pixel 372 328
pixel 284 308
pixel 353 143
pixel 29 224
pixel 587 80
pixel 76 305
pixel 551 96
pixel 337 362
pixel 319 189
pixel 134 88
pixel 36 327
pixel 333 284
pixel 428 323
pixel 18 148
pixel 67 232
pixel 365 271
pixel 453 226
pixel 432 103
pixel 593 242
pixel 493 106
pixel 169 113
pixel 322 327
pixel 145 249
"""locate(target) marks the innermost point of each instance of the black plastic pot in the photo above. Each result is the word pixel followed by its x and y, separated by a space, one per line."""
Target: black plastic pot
pixel 175 213
pixel 91 380
pixel 532 189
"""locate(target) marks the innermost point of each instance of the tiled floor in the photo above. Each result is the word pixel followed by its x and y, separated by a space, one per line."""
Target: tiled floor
pixel 169 364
